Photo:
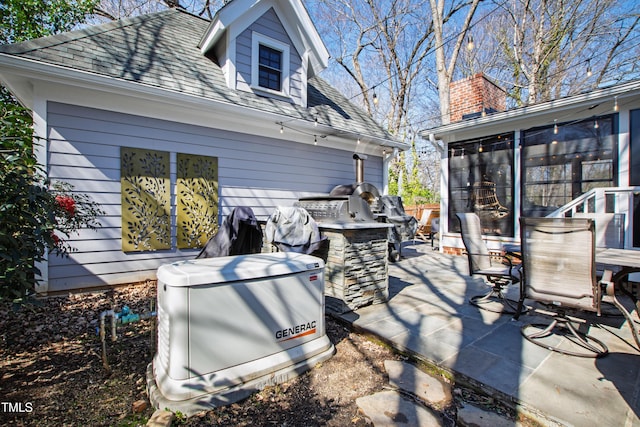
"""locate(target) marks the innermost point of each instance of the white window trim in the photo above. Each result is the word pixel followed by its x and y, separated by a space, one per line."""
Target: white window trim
pixel 258 39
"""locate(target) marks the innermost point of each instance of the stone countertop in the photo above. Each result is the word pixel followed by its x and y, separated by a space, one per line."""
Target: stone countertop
pixel 352 225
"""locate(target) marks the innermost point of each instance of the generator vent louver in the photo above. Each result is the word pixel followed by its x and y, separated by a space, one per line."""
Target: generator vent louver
pixel 164 337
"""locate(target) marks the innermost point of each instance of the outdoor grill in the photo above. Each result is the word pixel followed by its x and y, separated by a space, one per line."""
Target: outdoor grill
pixel 344 204
pixel 361 202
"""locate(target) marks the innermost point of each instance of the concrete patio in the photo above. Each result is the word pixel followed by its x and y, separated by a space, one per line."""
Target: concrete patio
pixel 428 316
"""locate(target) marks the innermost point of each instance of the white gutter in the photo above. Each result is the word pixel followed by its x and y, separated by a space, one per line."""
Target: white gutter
pixel 549 108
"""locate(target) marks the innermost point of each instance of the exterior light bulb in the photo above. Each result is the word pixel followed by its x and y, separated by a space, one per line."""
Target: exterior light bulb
pixel 470 44
pixel 375 99
pixel 615 104
pixel 555 127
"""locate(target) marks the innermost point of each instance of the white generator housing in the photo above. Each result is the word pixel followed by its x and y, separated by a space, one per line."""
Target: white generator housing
pixel 231 325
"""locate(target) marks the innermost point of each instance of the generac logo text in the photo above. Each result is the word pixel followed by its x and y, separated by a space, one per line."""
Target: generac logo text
pixel 297 331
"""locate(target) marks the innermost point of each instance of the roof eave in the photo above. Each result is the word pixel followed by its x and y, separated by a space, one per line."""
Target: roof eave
pixel 537 111
pixel 22 71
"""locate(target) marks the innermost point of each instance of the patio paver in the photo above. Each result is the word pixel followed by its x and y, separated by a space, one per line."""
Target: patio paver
pixel 428 314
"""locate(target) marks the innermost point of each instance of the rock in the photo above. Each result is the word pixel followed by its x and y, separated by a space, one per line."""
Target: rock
pixel 471 416
pixel 412 380
pixel 139 406
pixel 161 418
pixel 391 409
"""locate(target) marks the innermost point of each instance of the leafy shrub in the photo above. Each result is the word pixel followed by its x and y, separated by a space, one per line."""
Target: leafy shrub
pixel 35 215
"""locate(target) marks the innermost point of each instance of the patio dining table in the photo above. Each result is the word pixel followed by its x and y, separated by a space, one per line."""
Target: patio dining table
pixel 625 261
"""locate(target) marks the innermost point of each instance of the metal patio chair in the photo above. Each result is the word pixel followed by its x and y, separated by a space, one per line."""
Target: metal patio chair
pixel 435 229
pixel 498 270
pixel 425 224
pixel 559 272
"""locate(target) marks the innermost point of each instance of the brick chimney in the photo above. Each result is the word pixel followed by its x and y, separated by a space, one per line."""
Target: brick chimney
pixel 472 96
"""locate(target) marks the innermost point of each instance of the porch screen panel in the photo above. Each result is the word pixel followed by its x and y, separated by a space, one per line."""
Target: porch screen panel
pixel 146 205
pixel 634 162
pixel 481 181
pixel 197 194
pixel 634 169
pixel 562 164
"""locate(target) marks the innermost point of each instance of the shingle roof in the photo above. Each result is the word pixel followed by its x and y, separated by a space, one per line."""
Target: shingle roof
pixel 160 50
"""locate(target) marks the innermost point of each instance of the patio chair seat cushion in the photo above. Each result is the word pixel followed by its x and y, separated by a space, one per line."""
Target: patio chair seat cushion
pixel 495 271
pixel 498 270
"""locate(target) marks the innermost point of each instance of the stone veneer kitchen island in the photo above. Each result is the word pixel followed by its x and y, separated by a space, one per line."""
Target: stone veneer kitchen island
pixel 356 271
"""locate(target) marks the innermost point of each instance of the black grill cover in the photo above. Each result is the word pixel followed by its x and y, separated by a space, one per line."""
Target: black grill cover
pixel 239 234
pixel 405 226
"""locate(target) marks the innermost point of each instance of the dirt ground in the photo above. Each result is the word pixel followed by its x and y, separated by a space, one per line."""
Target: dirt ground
pixel 53 373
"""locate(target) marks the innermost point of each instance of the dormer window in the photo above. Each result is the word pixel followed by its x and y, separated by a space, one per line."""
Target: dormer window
pixel 266 47
pixel 269 65
pixel 270 68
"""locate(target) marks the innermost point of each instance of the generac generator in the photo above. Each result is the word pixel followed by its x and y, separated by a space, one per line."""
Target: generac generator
pixel 232 325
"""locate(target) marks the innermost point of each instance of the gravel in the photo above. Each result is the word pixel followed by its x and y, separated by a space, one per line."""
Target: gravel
pixel 54 371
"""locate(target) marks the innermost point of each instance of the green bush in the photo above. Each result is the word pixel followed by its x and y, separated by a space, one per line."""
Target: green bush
pixel 35 215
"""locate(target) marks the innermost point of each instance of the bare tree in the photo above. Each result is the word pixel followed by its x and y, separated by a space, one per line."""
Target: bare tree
pixel 444 68
pixel 553 49
pixel 386 47
pixel 382 47
pixel 115 9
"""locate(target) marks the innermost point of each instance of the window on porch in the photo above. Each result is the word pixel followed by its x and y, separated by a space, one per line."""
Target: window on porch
pixel 481 181
pixel 560 162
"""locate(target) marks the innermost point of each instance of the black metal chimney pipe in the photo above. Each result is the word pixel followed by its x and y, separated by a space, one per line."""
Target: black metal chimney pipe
pixel 359 158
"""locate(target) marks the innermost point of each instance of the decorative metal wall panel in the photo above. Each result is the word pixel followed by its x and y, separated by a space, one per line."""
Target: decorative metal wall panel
pixel 146 203
pixel 197 194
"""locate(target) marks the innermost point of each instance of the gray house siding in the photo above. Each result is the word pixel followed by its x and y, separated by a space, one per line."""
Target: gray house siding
pixel 66 74
pixel 84 150
pixel 268 25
